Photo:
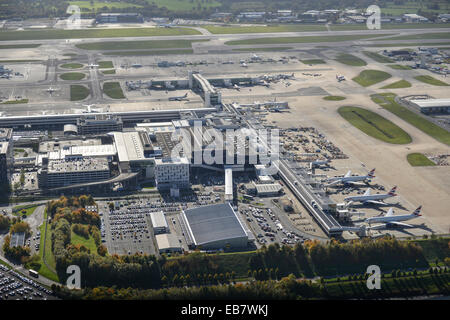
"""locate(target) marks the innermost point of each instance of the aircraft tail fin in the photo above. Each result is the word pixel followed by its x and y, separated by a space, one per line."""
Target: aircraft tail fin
pixel 417 211
pixel 371 173
pixel 392 192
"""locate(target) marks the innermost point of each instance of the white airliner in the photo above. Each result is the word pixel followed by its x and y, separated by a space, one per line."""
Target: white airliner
pixel 318 163
pixel 180 98
pixel 372 198
pixel 389 219
pixel 51 90
pixel 349 179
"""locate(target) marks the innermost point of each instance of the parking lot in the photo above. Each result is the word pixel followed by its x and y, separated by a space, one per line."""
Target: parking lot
pixel 14 286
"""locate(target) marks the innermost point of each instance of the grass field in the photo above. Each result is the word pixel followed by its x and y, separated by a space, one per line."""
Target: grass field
pixel 46 241
pixel 374 125
pixel 410 44
pixel 20 61
pixel 419 160
pixel 398 85
pixel 113 90
pixel 185 5
pixel 16 101
pixel 137 45
pixel 262 49
pixel 72 66
pixel 17 210
pixel 112 71
pixel 19 46
pixel 87 6
pixel 78 92
pixel 377 57
pixel 405 286
pixel 307 39
pixel 263 29
pixel 148 53
pixel 389 26
pixel 72 76
pixel 105 65
pixel 387 101
pixel 370 77
pixel 350 60
pixel 94 33
pixel 431 80
pixel 399 67
pixel 313 61
pixel 334 98
pixel 426 36
pixel 88 243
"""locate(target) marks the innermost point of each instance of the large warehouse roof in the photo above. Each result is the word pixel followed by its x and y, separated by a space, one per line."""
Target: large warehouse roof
pixel 208 224
pixel 423 103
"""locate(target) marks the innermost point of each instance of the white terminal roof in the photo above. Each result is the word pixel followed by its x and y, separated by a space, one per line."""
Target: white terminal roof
pixel 129 146
pixel 158 219
pixel 424 103
pixel 228 183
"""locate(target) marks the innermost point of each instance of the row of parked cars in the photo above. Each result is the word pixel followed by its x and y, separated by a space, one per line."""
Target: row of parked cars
pixel 14 285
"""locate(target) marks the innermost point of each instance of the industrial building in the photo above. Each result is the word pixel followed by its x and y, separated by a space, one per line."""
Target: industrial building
pixel 214 227
pixel 119 17
pixel 6 154
pixel 168 243
pixel 171 173
pixel 159 222
pixel 432 106
pixel 72 170
pixel 268 189
pixel 98 124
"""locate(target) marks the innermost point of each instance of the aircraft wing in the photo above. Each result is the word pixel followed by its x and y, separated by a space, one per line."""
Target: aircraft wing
pixel 375 202
pixel 390 213
pixel 333 183
pixel 401 224
pixel 355 183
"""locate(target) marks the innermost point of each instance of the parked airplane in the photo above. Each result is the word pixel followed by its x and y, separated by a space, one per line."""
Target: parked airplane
pixel 235 86
pixel 318 163
pixel 89 108
pixel 180 98
pixel 389 219
pixel 372 198
pixel 51 90
pixel 349 179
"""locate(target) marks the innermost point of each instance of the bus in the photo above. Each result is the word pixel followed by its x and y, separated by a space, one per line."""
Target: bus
pixel 33 273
